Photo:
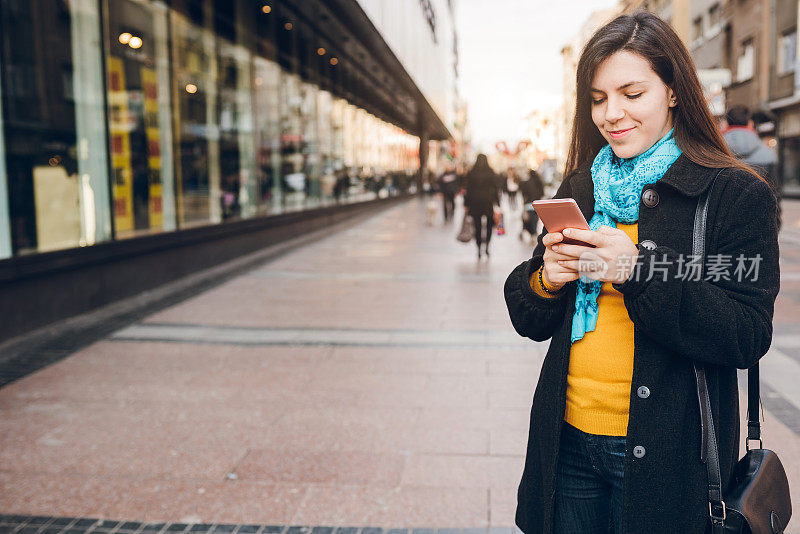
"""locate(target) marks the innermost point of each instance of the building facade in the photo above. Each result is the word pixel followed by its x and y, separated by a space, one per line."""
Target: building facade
pixel 748 38
pixel 676 12
pixel 784 92
pixel 124 118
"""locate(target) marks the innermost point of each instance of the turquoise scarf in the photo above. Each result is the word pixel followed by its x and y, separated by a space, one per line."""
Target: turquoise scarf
pixel 618 184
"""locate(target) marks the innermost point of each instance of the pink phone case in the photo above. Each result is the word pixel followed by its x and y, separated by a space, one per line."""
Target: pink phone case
pixel 559 213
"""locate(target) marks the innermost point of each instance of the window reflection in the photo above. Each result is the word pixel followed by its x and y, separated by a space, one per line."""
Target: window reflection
pixel 267 82
pixel 237 152
pixel 209 111
pixel 196 132
pixel 310 149
pixel 54 165
pixel 327 179
pixel 139 130
pixel 293 178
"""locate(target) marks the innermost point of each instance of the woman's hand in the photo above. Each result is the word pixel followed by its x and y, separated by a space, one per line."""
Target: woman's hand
pixel 612 259
pixel 553 272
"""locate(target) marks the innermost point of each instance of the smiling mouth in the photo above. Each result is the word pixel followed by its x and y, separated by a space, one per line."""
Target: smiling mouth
pixel 617 134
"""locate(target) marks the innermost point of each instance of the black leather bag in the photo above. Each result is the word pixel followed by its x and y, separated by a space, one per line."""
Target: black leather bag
pixel 757 498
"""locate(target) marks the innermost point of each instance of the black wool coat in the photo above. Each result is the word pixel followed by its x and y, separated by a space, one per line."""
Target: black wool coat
pixel 482 192
pixel 724 324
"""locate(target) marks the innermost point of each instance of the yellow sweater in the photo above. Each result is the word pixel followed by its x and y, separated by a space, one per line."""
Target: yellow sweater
pixel 601 364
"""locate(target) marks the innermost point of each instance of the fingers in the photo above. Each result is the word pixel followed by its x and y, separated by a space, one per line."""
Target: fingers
pixel 552 256
pixel 557 275
pixel 572 265
pixel 550 239
pixel 587 236
pixel 572 251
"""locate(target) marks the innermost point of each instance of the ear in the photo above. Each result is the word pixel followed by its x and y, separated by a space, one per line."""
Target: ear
pixel 671 98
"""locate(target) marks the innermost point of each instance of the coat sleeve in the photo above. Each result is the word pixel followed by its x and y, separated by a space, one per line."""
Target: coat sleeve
pixel 716 320
pixel 532 315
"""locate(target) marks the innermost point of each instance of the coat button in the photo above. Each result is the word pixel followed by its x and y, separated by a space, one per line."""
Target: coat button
pixel 643 392
pixel 638 451
pixel 650 198
pixel 649 245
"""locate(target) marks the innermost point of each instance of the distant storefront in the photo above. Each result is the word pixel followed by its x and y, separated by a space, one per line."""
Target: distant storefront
pixel 789 149
pixel 121 118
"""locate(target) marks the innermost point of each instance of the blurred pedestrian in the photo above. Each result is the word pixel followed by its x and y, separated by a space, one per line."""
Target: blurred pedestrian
pixel 532 189
pixel 482 195
pixel 746 145
pixel 511 188
pixel 448 186
pixel 643 149
pixel 340 185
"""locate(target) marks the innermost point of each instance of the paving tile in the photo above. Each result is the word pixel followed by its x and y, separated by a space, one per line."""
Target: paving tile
pixel 346 467
pixel 449 471
pixel 508 442
pixel 503 504
pixel 402 507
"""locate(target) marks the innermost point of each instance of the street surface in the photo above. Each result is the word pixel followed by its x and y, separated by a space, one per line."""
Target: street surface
pixel 370 379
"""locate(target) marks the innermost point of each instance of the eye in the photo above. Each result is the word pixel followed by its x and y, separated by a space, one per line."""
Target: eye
pixel 597 101
pixel 635 95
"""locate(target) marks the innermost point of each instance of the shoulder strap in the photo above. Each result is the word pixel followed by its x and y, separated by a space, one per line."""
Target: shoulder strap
pixel 709 453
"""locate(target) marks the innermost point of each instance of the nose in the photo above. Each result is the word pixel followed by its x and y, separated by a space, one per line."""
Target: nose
pixel 614 111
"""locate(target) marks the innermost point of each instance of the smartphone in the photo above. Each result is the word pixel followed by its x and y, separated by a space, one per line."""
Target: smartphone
pixel 559 213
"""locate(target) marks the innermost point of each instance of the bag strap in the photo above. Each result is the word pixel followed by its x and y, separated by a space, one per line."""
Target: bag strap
pixel 709 452
pixel 753 404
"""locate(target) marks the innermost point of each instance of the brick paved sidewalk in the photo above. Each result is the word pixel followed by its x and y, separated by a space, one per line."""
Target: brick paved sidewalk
pixel 369 379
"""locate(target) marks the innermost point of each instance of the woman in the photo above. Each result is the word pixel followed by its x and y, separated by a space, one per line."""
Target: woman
pixel 614 440
pixel 480 198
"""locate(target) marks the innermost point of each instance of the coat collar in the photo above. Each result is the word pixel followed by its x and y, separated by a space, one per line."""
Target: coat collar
pixel 688 177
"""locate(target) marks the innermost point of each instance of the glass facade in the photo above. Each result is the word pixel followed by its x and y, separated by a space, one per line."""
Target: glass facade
pixel 54 154
pixel 121 118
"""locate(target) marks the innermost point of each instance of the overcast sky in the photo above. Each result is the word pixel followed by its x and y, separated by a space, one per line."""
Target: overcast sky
pixel 509 59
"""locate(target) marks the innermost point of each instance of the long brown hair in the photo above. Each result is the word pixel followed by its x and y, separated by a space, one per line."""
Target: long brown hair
pixel 645 34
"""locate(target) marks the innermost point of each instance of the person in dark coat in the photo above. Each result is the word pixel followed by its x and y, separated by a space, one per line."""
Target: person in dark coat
pixel 482 195
pixel 615 429
pixel 448 187
pixel 531 188
pixel 746 145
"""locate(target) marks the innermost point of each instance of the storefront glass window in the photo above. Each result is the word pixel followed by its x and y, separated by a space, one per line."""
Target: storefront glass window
pixel 293 178
pixel 267 83
pixel 325 133
pixel 55 155
pixel 196 132
pixel 790 165
pixel 5 228
pixel 310 145
pixel 140 134
pixel 349 136
pixel 338 108
pixel 235 127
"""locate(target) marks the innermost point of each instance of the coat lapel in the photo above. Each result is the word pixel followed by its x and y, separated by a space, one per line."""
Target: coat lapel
pixel 687 177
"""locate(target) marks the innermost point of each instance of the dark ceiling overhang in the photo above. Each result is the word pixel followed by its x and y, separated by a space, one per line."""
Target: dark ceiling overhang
pixel 394 96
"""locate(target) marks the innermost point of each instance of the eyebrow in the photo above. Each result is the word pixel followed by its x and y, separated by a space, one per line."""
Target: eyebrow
pixel 620 88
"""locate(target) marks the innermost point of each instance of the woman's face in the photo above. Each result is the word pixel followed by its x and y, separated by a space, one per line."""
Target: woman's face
pixel 630 104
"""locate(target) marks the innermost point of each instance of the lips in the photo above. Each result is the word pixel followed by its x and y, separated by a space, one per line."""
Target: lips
pixel 619 134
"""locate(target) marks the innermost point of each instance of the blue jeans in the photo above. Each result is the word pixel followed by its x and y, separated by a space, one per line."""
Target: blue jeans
pixel 588 498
